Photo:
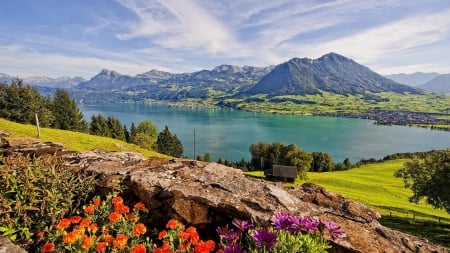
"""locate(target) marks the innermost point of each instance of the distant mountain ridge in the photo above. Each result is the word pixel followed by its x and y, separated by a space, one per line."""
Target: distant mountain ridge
pixel 332 73
pixel 414 79
pixel 64 82
pixel 439 84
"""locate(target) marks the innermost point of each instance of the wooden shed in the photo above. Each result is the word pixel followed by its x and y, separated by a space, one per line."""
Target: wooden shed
pixel 281 172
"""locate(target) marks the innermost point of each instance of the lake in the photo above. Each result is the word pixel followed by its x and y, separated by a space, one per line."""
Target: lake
pixel 227 134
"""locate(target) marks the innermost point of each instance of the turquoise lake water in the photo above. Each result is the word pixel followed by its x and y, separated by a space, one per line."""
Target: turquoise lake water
pixel 227 134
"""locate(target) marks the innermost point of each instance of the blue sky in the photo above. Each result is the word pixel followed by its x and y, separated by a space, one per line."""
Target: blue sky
pixel 80 37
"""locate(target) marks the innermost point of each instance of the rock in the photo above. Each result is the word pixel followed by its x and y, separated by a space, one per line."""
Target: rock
pixel 36 149
pixel 4 134
pixel 6 246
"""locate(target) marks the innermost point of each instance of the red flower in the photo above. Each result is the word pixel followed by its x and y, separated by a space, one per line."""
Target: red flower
pixel 121 208
pixel 139 229
pixel 204 247
pixel 89 209
pixel 172 224
pixel 120 241
pixel 114 216
pixel 101 246
pixel 139 249
pixel 96 202
pixel 93 227
pixel 63 224
pixel 162 234
pixel 40 234
pixel 70 237
pixel 85 222
pixel 75 219
pixel 140 207
pixel 87 242
pixel 117 200
pixel 164 249
pixel 48 247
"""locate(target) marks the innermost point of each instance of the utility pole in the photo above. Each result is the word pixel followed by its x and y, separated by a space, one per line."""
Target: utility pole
pixel 194 144
pixel 37 125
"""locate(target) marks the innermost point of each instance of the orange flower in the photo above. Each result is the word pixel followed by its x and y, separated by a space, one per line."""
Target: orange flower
pixel 117 200
pixel 96 202
pixel 162 234
pixel 183 236
pixel 121 208
pixel 172 224
pixel 93 227
pixel 108 238
pixel 89 209
pixel 63 224
pixel 120 241
pixel 204 247
pixel 164 249
pixel 139 229
pixel 85 222
pixel 75 219
pixel 70 237
pixel 48 247
pixel 140 207
pixel 101 247
pixel 86 242
pixel 140 248
pixel 40 234
pixel 193 235
pixel 114 216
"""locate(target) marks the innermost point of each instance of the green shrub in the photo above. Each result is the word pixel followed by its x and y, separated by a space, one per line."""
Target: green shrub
pixel 36 193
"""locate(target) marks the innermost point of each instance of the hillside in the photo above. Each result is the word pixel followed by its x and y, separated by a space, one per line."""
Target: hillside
pixel 331 73
pixel 74 141
pixel 439 84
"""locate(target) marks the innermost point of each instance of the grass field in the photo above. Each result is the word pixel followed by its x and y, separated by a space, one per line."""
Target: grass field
pixel 375 186
pixel 73 140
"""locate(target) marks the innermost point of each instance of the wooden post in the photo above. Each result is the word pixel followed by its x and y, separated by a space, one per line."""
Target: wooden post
pixel 37 125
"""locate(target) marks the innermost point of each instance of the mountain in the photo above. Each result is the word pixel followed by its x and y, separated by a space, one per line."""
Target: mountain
pixel 332 73
pixel 45 82
pixel 414 79
pixel 160 85
pixel 440 84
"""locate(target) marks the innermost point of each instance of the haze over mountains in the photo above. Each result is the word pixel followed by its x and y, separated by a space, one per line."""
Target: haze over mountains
pixel 331 73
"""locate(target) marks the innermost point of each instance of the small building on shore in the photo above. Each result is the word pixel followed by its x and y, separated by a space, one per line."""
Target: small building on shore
pixel 281 172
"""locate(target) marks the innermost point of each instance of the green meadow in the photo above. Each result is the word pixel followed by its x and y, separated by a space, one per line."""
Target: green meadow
pixel 74 141
pixel 375 185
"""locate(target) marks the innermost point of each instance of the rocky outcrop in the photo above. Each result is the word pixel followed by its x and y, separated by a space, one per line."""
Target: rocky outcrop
pixel 208 195
pixel 6 246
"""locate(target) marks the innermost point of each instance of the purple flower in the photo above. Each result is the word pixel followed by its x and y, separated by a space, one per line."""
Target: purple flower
pixel 336 232
pixel 229 235
pixel 242 224
pixel 234 248
pixel 309 224
pixel 286 222
pixel 265 238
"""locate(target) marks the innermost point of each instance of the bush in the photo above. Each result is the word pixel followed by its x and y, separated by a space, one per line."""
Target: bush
pixel 36 193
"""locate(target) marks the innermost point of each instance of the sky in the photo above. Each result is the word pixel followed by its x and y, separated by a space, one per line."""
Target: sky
pixel 57 38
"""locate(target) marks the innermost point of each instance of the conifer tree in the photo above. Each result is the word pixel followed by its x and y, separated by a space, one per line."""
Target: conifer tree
pixel 99 126
pixel 115 128
pixel 67 115
pixel 169 144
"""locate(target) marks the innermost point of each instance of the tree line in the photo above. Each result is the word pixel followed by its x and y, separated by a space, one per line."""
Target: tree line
pixel 20 103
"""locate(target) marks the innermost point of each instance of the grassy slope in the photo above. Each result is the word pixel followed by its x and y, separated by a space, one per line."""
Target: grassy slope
pixel 73 140
pixel 375 185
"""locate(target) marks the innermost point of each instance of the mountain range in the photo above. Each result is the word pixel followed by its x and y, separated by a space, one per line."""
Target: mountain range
pixel 331 73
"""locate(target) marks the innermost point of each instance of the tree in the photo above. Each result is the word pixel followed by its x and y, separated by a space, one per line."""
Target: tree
pixel 126 133
pixel 321 162
pixel 116 129
pixel 298 158
pixel 99 126
pixel 169 144
pixel 67 115
pixel 145 134
pixel 429 178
